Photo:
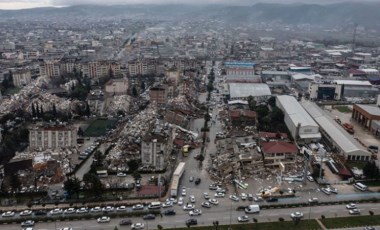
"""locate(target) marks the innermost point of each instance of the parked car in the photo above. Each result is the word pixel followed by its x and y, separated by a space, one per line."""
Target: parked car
pixel 121 209
pixel 191 222
pixel 219 194
pixel 243 218
pixel 188 207
pixel 125 222
pixel 192 198
pixel 26 213
pixel 258 199
pixel 82 210
pixel 351 206
pixel 167 204
pixel 326 191
pixel 310 178
pixel 234 198
pixel 250 197
pixel 137 226
pixel 354 211
pixel 243 196
pixel 95 209
pixel 206 195
pixel 108 209
pixel 103 219
pixel 149 217
pixel 8 214
pixel 195 212
pixel 212 187
pixel 138 207
pixel 191 179
pixel 56 211
pixel 198 181
pixel 180 201
pixel 206 204
pixel 169 212
pixel 296 215
pixel 214 201
pixel 313 200
pixel 272 199
pixel 27 223
pixel 40 213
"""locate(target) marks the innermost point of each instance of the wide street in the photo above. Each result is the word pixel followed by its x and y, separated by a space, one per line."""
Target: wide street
pixel 224 215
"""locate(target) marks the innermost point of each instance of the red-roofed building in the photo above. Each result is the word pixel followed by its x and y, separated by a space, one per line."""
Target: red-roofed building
pixel 271 136
pixel 242 117
pixel 279 151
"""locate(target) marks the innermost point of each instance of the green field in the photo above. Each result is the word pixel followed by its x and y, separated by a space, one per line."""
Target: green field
pixel 304 224
pixel 352 221
pixel 343 109
pixel 99 127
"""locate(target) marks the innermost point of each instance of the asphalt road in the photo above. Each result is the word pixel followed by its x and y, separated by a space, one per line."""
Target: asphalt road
pixel 220 213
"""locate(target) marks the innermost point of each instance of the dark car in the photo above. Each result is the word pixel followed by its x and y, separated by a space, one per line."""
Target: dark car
pixel 191 222
pixel 125 222
pixel 198 181
pixel 272 199
pixel 170 212
pixel 40 213
pixel 149 217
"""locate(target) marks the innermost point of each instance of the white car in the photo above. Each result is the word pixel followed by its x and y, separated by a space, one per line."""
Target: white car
pixel 213 201
pixel 195 212
pixel 180 201
pixel 103 219
pixel 313 200
pixel 192 198
pixel 8 214
pixel 120 174
pixel 138 207
pixel 296 215
pixel 108 209
pixel 206 204
pixel 26 213
pixel 188 207
pixel 310 178
pixel 222 190
pixel 243 219
pixel 243 196
pixel 82 210
pixel 183 192
pixel 234 198
pixel 354 211
pixel 167 204
pixel 351 206
pixel 96 209
pixel 219 194
pixel 121 208
pixel 56 211
pixel 326 191
pixel 69 211
pixel 206 195
pixel 136 226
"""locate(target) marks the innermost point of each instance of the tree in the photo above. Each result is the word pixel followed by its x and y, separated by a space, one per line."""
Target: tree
pixel 42 111
pixel 14 182
pixel 251 103
pixel 33 111
pixel 159 227
pixel 142 85
pixel 38 114
pixel 54 110
pixel 92 182
pixel 80 131
pixel 272 101
pixel 10 79
pixel 134 91
pixel 371 171
pixel 133 165
pixel 136 175
pixel 87 111
pixel 72 186
pixel 216 224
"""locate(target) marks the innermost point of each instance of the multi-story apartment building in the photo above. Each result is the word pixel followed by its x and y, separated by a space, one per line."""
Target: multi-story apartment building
pixel 21 77
pixel 50 68
pixel 159 94
pixel 156 147
pixel 52 137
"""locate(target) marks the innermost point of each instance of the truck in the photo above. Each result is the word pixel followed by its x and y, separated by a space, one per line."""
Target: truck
pixel 253 208
pixel 176 178
pixel 349 128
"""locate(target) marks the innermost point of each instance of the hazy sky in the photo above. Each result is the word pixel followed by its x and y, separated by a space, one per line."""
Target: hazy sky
pixel 20 4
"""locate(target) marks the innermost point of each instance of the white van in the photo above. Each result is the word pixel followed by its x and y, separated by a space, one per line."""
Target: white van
pixel 361 186
pixel 154 205
pixel 253 208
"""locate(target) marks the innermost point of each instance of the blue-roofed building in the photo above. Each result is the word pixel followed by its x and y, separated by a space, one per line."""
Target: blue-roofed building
pixel 239 64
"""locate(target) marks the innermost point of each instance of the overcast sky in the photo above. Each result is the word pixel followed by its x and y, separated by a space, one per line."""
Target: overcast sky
pixel 20 4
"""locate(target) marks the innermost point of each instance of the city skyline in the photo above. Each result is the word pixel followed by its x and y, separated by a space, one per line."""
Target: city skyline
pixel 25 4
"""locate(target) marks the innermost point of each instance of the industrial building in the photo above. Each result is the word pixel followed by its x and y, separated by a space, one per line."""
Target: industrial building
pixel 260 92
pixel 368 116
pixel 268 75
pixel 301 126
pixel 335 136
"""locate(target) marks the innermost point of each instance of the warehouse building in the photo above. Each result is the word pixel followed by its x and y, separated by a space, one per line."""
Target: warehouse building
pixel 335 136
pixel 301 126
pixel 368 116
pixel 241 91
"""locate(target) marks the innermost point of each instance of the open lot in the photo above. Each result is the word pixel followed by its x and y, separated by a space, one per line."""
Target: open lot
pixel 99 127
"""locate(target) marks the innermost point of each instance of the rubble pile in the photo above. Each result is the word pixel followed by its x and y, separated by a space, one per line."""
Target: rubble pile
pixel 119 103
pixel 48 100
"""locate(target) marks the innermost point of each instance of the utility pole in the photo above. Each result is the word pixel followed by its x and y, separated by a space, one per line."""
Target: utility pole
pixel 322 153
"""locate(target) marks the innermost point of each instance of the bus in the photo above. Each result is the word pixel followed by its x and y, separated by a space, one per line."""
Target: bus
pixel 102 173
pixel 241 185
pixel 361 186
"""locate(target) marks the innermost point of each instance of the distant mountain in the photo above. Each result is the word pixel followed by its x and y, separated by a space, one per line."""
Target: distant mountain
pixel 361 13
